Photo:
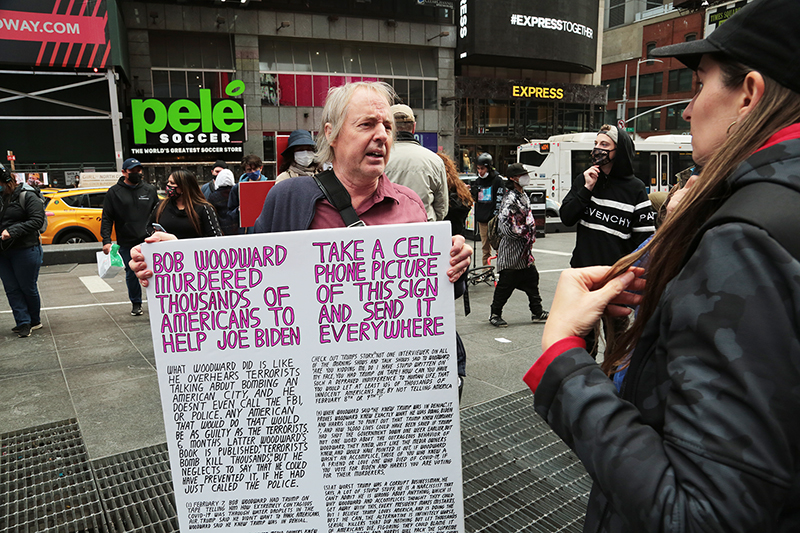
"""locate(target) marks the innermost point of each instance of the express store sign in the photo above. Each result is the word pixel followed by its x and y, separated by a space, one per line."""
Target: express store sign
pixel 197 130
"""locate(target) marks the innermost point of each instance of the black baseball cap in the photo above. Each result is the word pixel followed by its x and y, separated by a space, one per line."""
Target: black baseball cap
pixel 762 35
pixel 515 169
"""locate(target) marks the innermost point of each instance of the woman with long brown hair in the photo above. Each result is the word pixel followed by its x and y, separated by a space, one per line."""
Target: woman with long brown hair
pixel 185 212
pixel 703 435
pixel 460 200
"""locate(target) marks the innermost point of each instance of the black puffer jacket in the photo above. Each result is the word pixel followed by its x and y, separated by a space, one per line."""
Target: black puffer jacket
pixel 615 217
pixel 22 221
pixel 704 435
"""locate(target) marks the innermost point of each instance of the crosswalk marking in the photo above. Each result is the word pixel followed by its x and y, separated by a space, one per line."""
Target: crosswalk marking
pixel 95 284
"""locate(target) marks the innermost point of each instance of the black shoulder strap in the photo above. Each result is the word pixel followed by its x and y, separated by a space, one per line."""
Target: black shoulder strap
pixel 767 205
pixel 338 196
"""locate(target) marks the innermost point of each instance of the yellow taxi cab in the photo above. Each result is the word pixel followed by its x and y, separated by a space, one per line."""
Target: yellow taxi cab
pixel 73 215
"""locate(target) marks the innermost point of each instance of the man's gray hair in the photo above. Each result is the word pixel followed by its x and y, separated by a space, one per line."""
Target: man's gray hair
pixel 335 110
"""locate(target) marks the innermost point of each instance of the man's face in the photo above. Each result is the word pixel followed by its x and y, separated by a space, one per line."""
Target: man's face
pixel 362 147
pixel 482 170
pixel 216 171
pixel 134 170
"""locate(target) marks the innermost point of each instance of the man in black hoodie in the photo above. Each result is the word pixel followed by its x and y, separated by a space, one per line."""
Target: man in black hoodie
pixel 127 206
pixel 487 191
pixel 609 204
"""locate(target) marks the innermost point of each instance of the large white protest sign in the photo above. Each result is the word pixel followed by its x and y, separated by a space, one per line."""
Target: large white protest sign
pixel 308 380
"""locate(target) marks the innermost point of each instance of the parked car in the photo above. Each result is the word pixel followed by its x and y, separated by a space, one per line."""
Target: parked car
pixel 73 215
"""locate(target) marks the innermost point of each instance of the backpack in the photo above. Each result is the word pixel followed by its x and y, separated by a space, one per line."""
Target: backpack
pixel 37 194
pixel 493 233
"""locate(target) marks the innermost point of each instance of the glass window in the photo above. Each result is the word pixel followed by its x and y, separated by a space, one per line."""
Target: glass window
pixel 430 94
pixel 690 37
pixel 195 80
pixel 415 99
pixel 160 84
pixel 78 200
pixel 648 121
pixel 680 80
pixel 675 122
pixel 398 58
pixel 413 64
pixel 650 84
pixel 615 88
pixel 158 51
pixel 401 88
pixel 428 64
pixel 177 84
pixel 367 55
pixel 194 57
pixel 302 62
pixel 319 59
pixel 96 199
pixel 616 13
pixel 337 62
pixel 383 65
pixel 283 57
pixel 266 56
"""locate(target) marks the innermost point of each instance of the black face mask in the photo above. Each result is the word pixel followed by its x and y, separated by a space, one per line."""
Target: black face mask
pixel 134 177
pixel 601 156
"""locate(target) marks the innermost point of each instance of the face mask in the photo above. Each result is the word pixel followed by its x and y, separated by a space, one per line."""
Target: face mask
pixel 601 157
pixel 172 192
pixel 134 177
pixel 524 180
pixel 304 157
pixel 484 174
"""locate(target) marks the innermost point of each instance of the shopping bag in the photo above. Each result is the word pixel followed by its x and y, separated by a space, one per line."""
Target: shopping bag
pixel 110 265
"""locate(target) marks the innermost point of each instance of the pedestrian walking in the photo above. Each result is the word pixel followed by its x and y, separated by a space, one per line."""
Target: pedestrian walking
pixel 515 261
pixel 21 218
pixel 126 208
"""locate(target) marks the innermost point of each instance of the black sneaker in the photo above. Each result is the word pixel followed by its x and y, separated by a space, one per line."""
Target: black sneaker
pixel 136 310
pixel 24 330
pixel 497 321
pixel 541 317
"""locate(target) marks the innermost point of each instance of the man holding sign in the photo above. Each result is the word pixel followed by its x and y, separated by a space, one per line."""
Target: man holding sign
pixel 279 420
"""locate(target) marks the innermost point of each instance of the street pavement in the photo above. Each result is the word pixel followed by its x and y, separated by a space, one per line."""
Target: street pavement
pixel 94 362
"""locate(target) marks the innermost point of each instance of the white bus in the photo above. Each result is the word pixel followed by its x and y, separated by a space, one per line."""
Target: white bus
pixel 553 164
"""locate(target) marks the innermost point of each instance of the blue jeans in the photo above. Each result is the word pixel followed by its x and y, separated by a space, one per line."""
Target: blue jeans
pixel 19 270
pixel 134 289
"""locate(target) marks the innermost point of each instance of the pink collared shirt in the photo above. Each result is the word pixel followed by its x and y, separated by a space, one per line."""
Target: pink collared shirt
pixel 391 204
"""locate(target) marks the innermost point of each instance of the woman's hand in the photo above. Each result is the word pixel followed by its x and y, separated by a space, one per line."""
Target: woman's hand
pixel 137 262
pixel 581 298
pixel 460 257
pixel 5 235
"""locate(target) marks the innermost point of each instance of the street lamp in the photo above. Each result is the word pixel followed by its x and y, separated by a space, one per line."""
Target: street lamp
pixel 636 102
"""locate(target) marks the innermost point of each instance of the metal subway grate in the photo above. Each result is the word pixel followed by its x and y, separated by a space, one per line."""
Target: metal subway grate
pixel 518 475
pixel 46 482
pixel 136 488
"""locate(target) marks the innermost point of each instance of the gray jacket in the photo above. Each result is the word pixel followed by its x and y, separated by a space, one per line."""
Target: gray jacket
pixel 704 435
pixel 422 171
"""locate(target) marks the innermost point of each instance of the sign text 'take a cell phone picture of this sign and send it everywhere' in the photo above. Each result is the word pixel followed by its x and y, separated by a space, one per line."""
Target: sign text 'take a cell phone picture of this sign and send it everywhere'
pixel 308 380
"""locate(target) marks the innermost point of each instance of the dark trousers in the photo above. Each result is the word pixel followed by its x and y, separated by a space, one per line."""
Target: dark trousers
pixel 19 271
pixel 134 289
pixel 526 280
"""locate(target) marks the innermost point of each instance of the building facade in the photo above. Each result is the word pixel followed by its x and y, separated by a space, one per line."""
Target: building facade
pixel 665 86
pixel 524 71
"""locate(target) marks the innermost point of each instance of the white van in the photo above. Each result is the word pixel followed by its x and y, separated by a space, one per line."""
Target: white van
pixel 553 164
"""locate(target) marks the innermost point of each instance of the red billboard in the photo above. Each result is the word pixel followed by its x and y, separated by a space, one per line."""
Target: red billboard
pixel 54 33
